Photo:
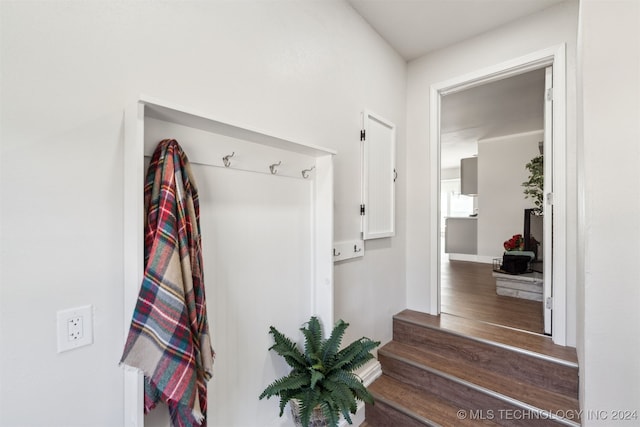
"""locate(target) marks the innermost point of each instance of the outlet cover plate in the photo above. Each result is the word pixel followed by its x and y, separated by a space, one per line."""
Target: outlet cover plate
pixel 74 328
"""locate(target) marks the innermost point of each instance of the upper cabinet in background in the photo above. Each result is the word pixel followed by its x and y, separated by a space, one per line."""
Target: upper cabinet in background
pixel 469 176
pixel 378 141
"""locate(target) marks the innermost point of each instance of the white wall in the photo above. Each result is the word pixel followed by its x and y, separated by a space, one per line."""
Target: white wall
pixel 545 29
pixel 501 201
pixel 299 70
pixel 609 301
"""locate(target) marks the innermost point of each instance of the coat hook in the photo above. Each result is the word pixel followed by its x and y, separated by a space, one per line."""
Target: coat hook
pixel 305 173
pixel 226 160
pixel 356 249
pixel 335 253
pixel 273 169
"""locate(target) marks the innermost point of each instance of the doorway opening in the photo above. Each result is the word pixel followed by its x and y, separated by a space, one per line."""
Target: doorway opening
pixel 552 309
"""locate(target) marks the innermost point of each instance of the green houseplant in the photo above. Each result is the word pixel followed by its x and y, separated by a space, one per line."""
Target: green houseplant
pixel 533 187
pixel 321 384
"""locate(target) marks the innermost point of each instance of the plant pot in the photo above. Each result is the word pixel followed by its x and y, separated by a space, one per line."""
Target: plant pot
pixel 317 417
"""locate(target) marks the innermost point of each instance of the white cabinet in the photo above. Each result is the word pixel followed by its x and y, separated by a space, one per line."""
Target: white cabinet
pixel 469 176
pixel 378 138
pixel 461 236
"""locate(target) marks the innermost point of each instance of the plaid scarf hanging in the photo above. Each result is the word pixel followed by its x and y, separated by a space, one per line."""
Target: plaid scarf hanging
pixel 169 337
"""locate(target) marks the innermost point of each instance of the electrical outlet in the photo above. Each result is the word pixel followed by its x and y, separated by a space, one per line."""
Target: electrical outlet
pixel 75 328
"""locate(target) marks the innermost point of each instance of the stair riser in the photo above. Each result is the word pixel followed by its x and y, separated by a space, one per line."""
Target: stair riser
pixel 475 403
pixel 544 373
pixel 382 415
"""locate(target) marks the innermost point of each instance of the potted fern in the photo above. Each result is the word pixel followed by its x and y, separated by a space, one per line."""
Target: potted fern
pixel 321 384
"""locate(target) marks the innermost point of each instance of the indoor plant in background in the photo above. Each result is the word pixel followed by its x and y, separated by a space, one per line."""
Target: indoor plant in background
pixel 533 187
pixel 321 384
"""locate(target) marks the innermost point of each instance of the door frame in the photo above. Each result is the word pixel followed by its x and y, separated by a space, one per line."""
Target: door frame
pixel 556 56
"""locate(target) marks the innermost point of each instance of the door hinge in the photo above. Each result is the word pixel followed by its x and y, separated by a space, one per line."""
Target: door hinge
pixel 549 199
pixel 549 303
pixel 549 94
pixel 362 209
pixel 362 135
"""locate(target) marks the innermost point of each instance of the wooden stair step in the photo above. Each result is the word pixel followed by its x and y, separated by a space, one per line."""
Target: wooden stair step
pixel 500 335
pixel 466 342
pixel 403 405
pixel 472 387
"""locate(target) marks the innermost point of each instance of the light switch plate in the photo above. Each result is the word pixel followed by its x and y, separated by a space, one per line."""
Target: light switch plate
pixel 75 328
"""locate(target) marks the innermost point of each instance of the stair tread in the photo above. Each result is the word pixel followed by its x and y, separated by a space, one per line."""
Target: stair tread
pixel 422 404
pixel 491 333
pixel 529 394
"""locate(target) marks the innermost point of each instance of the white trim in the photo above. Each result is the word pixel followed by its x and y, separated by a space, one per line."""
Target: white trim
pixel 133 250
pixel 559 313
pixel 434 153
pixel 370 372
pixel 179 114
pixel 551 56
pixel 514 67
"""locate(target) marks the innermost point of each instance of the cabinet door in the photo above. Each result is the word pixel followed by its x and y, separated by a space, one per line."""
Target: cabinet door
pixel 469 176
pixel 378 141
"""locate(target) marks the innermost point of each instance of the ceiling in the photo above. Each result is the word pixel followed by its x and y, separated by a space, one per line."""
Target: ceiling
pixel 500 108
pixel 416 27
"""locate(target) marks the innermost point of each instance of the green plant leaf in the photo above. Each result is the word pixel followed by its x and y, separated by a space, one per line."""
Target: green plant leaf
pixel 287 349
pixel 315 377
pixel 344 398
pixel 312 340
pixel 293 381
pixel 332 345
pixel 285 397
pixel 534 186
pixel 308 401
pixel 354 383
pixel 332 414
pixel 356 354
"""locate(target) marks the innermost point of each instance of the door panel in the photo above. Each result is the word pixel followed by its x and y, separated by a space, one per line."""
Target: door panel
pixel 548 204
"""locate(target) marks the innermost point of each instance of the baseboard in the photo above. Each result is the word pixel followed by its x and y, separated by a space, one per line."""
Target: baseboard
pixel 370 372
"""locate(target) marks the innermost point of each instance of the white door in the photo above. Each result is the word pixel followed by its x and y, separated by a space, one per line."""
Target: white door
pixel 378 142
pixel 547 290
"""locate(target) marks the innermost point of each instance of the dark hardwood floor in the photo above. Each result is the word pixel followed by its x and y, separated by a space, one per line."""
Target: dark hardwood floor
pixel 468 290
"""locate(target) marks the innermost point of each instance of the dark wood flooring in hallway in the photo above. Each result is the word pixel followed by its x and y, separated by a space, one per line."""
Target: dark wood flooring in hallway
pixel 468 290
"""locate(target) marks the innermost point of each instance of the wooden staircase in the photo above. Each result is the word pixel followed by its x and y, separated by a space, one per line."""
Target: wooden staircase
pixel 448 371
